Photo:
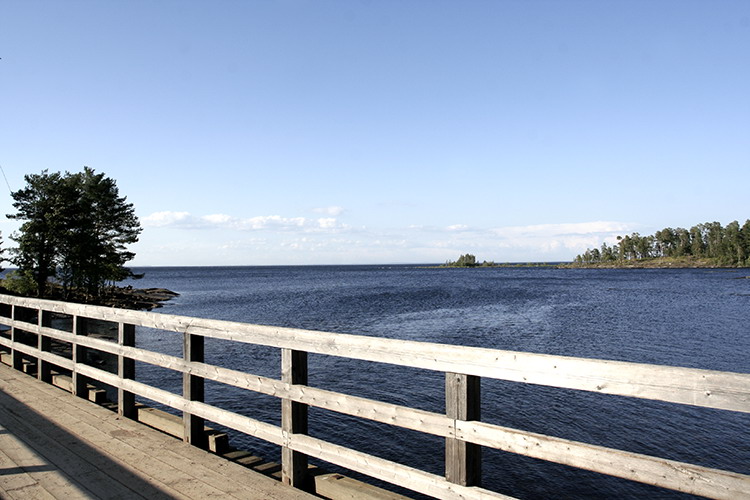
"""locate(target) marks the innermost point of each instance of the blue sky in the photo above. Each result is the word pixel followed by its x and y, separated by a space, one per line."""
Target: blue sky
pixel 341 132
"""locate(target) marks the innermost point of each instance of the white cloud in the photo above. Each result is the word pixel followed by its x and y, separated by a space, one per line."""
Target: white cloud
pixel 578 228
pixel 217 219
pixel 164 219
pixel 185 220
pixel 274 239
pixel 327 223
pixel 265 222
pixel 333 211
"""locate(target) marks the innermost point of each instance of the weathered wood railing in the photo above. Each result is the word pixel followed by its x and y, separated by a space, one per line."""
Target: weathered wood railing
pixel 460 425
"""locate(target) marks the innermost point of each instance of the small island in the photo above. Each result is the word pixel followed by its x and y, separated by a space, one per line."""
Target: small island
pixel 468 260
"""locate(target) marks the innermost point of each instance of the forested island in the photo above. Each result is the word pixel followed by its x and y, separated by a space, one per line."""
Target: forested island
pixel 468 260
pixel 703 245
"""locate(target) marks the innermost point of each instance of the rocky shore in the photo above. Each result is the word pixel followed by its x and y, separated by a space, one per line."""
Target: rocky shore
pixel 142 299
pixel 138 298
pixel 655 263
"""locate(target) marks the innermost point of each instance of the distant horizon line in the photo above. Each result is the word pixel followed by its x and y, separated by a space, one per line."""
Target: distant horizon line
pixel 520 262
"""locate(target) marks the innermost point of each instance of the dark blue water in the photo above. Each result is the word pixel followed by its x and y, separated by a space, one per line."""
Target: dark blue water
pixel 692 318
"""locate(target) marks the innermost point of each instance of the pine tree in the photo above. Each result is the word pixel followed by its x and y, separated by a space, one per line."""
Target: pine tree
pixel 76 230
pixel 2 252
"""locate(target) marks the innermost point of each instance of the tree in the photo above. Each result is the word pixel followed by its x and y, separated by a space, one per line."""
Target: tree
pixel 38 204
pixel 2 252
pixel 713 237
pixel 683 242
pixel 608 254
pixel 733 251
pixel 99 226
pixel 665 242
pixel 76 230
pixel 697 245
pixel 467 260
pixel 745 238
pixel 725 246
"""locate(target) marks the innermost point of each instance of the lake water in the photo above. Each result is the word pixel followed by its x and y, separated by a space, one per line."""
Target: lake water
pixel 691 318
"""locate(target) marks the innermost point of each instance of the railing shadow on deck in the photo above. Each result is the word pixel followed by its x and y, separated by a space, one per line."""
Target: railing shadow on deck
pixel 72 456
pixel 461 426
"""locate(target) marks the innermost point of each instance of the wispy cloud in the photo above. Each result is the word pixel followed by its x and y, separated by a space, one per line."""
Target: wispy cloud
pixel 333 211
pixel 569 229
pixel 169 219
pixel 185 220
pixel 514 243
pixel 272 239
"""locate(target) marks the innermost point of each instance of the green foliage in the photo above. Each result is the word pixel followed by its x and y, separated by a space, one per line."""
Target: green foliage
pixel 2 253
pixel 468 260
pixel 20 282
pixel 726 246
pixel 76 230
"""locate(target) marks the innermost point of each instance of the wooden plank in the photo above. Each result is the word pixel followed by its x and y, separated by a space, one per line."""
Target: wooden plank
pixel 293 418
pixel 252 427
pixel 14 333
pixel 49 357
pixel 713 389
pixel 18 478
pixel 402 416
pixel 80 331
pixel 193 390
pixel 146 460
pixel 125 369
pixel 394 473
pixel 183 472
pixel 463 460
pixel 707 388
pixel 57 446
pixel 44 371
pixel 661 472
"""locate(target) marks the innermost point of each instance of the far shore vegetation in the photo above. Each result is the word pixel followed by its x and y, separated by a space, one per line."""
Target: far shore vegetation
pixel 704 245
pixel 469 260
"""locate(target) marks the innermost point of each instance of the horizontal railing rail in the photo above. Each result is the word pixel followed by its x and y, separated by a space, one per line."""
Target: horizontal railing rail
pixel 460 425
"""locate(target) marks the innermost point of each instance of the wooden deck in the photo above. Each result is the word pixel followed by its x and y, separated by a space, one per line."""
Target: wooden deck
pixel 55 445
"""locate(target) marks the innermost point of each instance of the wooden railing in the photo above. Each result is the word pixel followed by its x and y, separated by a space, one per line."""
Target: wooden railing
pixel 460 425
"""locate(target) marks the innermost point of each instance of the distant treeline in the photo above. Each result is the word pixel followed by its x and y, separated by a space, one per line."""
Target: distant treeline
pixel 726 246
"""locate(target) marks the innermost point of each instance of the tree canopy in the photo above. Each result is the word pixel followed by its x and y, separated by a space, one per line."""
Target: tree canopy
pixel 468 260
pixel 76 230
pixel 725 246
pixel 2 253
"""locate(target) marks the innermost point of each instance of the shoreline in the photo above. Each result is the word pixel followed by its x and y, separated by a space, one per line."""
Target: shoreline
pixel 141 299
pixel 656 263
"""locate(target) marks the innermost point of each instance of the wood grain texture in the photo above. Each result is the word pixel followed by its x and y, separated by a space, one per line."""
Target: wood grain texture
pixel 56 445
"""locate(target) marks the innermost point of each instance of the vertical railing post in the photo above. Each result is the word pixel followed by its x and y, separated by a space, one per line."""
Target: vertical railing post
pixel 126 370
pixel 15 354
pixel 193 390
pixel 293 418
pixel 80 385
pixel 43 371
pixel 463 461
